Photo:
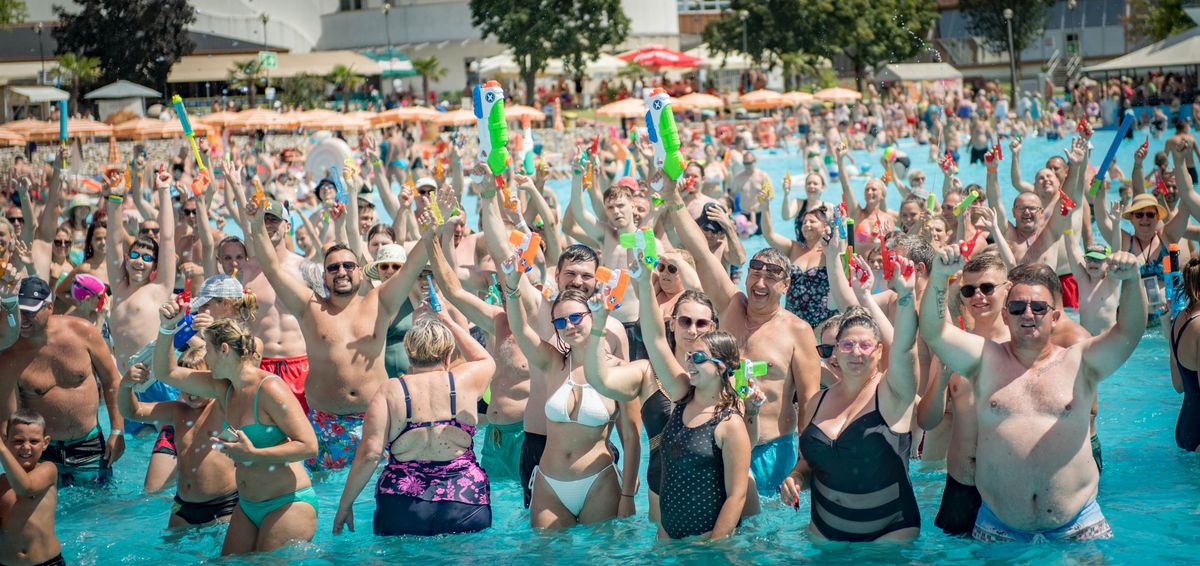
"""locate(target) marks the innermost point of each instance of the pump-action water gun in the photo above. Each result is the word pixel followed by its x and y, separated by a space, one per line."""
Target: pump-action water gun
pixel 527 245
pixel 434 303
pixel 1126 123
pixel 62 128
pixel 642 240
pixel 492 130
pixel 661 129
pixel 849 245
pixel 617 281
pixel 742 375
pixel 966 203
pixel 1173 279
pixel 203 179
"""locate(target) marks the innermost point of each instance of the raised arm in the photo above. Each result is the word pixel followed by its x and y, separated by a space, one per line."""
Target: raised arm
pixel 713 276
pixel 163 368
pixel 133 408
pixel 1108 221
pixel 207 244
pixel 539 353
pixel 1015 169
pixel 292 292
pixel 838 148
pixel 166 221
pixel 777 241
pixel 997 232
pixel 1105 353
pixel 622 383
pixel 841 296
pixel 959 350
pixel 394 291
pixel 477 311
pixel 902 373
pixel 671 374
pixel 994 202
pixel 586 221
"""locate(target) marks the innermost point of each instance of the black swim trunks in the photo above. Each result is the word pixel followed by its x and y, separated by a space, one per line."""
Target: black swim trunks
pixel 977 155
pixel 80 461
pixel 960 505
pixel 1097 454
pixel 637 346
pixel 531 456
pixel 207 512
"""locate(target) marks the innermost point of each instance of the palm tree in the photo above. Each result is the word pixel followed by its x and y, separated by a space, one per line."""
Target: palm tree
pixel 428 68
pixel 345 79
pixel 76 70
pixel 246 74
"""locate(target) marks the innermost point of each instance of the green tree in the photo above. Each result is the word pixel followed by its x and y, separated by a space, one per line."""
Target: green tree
pixel 136 40
pixel 985 19
pixel 247 74
pixel 344 78
pixel 763 30
pixel 1156 20
pixel 12 12
pixel 306 90
pixel 428 68
pixel 77 71
pixel 539 30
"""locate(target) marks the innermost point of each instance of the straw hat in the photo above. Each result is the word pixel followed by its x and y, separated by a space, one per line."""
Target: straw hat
pixel 1145 201
pixel 389 253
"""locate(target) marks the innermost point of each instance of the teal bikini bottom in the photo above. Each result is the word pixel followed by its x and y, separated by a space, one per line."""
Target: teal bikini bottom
pixel 256 511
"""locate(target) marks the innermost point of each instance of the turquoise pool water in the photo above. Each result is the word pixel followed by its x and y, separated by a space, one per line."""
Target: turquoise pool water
pixel 1150 492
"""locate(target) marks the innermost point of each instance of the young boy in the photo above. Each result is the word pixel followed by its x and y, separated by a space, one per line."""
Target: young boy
pixel 1097 291
pixel 28 494
pixel 205 491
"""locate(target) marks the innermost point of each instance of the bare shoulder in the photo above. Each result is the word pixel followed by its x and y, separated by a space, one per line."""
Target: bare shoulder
pixel 74 325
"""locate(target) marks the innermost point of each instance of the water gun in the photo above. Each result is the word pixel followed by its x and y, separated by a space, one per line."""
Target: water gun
pixel 439 170
pixel 62 128
pixel 1146 144
pixel 204 177
pixel 1160 184
pixel 342 197
pixel 434 303
pixel 966 203
pixel 524 147
pixel 589 176
pixel 767 192
pixel 931 203
pixel 260 198
pixel 849 244
pixel 184 299
pixel 660 127
pixel 998 151
pixel 618 283
pixel 493 296
pixel 1173 279
pixel 594 148
pixel 492 130
pixel 527 245
pixel 436 209
pixel 742 375
pixel 1126 123
pixel 889 259
pixel 1067 203
pixel 1084 128
pixel 642 240
pixel 947 163
pixel 887 174
pixel 968 248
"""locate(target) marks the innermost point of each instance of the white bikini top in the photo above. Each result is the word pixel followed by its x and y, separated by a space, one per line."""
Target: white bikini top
pixel 591 411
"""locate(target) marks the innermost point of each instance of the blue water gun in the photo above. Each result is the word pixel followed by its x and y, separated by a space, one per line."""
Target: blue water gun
pixel 434 303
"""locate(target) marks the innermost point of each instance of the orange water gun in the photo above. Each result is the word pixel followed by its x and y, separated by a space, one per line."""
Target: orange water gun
pixel 617 281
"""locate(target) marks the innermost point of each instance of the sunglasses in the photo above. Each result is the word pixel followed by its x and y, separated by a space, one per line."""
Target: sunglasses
pixel 62 243
pixel 15 218
pixel 668 267
pixel 772 270
pixel 1141 215
pixel 698 358
pixel 349 266
pixel 968 291
pixel 825 350
pixel 148 258
pixel 1039 308
pixel 189 212
pixel 389 266
pixel 154 231
pixel 424 192
pixel 863 346
pixel 700 324
pixel 573 319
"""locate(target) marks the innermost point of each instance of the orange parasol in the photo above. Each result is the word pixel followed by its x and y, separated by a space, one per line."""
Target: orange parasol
pixel 218 119
pixel 837 94
pixel 406 114
pixel 455 118
pixel 797 98
pixel 10 138
pixel 76 128
pixel 23 126
pixel 761 99
pixel 338 123
pixel 262 119
pixel 624 108
pixel 697 100
pixel 519 111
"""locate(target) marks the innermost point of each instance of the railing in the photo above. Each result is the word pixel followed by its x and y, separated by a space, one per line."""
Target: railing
pixel 1053 63
pixel 1074 67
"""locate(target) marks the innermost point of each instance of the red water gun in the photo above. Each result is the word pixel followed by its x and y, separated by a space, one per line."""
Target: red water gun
pixel 594 149
pixel 968 248
pixel 1067 203
pixel 1084 128
pixel 998 151
pixel 947 162
pixel 889 259
pixel 184 299
pixel 1160 184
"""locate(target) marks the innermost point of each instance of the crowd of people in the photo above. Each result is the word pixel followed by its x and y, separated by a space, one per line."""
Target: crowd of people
pixel 269 328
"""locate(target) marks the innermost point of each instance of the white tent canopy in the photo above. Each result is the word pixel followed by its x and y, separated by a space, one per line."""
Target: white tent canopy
pixel 1176 51
pixel 918 72
pixel 123 89
pixel 711 60
pixel 39 94
pixel 504 65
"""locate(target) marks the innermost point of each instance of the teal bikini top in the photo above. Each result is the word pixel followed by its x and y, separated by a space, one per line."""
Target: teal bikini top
pixel 260 435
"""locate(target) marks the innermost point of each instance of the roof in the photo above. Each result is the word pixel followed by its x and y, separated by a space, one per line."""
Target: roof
pixel 918 72
pixel 201 68
pixel 37 94
pixel 123 89
pixel 1176 51
pixel 19 42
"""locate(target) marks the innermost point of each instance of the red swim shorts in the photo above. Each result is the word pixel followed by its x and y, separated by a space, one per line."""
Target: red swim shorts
pixel 293 371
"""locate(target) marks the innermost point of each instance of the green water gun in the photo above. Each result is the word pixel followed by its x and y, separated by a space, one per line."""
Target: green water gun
pixel 742 375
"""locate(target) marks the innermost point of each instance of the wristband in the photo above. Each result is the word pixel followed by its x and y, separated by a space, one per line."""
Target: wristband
pixel 991 169
pixel 117 432
pixel 116 198
pixel 512 293
pixel 678 207
pixel 168 331
pixel 1068 231
pixel 598 332
pixel 487 194
pixel 377 162
pixel 629 495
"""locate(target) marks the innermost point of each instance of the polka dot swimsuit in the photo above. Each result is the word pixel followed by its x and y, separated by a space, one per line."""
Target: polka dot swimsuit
pixel 693 483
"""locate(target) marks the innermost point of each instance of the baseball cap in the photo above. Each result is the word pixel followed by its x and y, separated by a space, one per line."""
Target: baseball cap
pixel 34 294
pixel 275 208
pixel 217 287
pixel 426 182
pixel 1098 251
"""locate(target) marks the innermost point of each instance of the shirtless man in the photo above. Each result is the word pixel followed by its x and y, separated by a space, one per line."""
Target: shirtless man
pixel 1097 292
pixel 746 186
pixel 1035 471
pixel 1181 142
pixel 57 360
pixel 949 399
pixel 142 276
pixel 766 332
pixel 1045 185
pixel 345 335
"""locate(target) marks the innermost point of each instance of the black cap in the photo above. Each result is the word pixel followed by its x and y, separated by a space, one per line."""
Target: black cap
pixel 706 223
pixel 34 294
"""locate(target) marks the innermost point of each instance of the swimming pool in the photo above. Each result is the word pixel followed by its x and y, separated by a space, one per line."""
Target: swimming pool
pixel 1150 490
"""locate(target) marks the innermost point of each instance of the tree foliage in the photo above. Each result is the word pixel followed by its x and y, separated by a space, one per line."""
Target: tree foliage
pixel 76 71
pixel 12 12
pixel 306 90
pixel 539 30
pixel 985 20
pixel 247 74
pixel 428 68
pixel 1156 20
pixel 136 40
pixel 345 79
pixel 867 32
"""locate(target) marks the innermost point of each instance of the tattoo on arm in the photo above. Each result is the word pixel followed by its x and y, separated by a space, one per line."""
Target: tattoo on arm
pixel 905 300
pixel 941 306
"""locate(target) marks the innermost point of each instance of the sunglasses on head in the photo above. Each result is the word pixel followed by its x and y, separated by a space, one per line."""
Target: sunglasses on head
pixel 775 271
pixel 62 243
pixel 89 292
pixel 698 358
pixel 825 350
pixel 573 319
pixel 349 266
pixel 968 291
pixel 148 258
pixel 664 266
pixel 700 324
pixel 1017 308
